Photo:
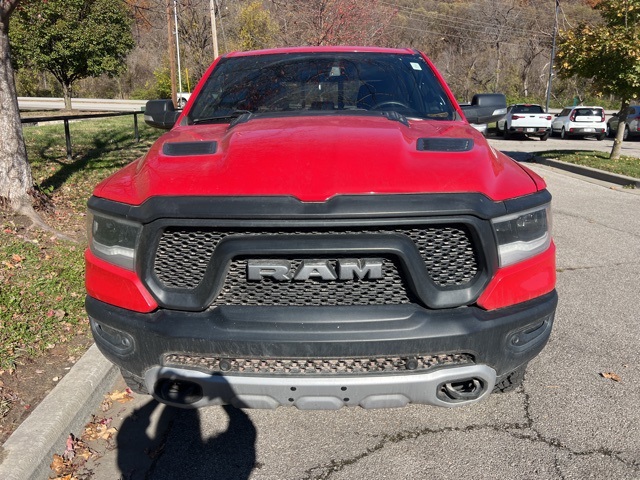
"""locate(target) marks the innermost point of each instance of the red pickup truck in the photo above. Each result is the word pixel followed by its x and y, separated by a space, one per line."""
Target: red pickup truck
pixel 321 227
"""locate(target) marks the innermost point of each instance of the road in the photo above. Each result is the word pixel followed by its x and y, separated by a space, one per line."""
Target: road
pixel 567 422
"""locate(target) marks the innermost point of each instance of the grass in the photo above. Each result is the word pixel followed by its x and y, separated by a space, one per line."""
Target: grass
pixel 42 277
pixel 629 166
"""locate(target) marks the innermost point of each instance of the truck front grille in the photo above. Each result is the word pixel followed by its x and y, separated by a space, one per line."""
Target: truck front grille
pixel 338 366
pixel 390 290
pixel 183 255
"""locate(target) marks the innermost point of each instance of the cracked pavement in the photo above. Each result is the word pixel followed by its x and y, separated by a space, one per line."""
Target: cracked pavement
pixel 566 421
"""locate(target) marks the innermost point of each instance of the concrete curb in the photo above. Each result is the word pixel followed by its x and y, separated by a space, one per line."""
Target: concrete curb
pixel 589 172
pixel 29 451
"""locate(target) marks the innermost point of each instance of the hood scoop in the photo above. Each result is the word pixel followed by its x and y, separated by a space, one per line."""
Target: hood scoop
pixel 444 144
pixel 179 149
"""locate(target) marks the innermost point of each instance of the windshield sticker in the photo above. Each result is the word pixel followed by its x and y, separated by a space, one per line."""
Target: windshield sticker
pixel 416 66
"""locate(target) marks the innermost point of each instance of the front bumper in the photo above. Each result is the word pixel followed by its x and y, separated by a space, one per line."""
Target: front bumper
pixel 497 341
pixel 531 130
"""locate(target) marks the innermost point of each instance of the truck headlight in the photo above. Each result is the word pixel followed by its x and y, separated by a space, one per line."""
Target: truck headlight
pixel 113 239
pixel 522 235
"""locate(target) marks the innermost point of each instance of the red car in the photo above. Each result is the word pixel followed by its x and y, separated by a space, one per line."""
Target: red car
pixel 322 227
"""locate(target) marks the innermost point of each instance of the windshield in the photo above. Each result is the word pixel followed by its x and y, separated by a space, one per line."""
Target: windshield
pixel 527 109
pixel 321 82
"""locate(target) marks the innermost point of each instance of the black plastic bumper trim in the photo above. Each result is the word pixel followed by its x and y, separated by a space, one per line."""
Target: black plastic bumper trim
pixel 327 332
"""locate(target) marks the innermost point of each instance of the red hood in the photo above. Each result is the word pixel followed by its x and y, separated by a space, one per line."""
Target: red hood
pixel 316 158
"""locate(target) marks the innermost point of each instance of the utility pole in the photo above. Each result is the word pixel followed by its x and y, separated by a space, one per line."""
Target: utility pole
pixel 175 17
pixel 214 30
pixel 172 54
pixel 553 54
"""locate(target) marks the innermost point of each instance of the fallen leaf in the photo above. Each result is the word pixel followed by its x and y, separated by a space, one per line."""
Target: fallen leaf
pixel 121 396
pixel 611 376
pixel 60 466
pixel 16 258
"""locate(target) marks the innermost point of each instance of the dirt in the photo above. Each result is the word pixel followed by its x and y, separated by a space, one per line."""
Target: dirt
pixel 24 388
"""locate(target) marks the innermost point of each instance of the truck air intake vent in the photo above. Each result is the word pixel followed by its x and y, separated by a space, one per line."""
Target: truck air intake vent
pixel 312 366
pixel 177 149
pixel 445 144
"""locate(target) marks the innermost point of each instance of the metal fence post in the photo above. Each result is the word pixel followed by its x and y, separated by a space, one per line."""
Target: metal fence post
pixel 135 126
pixel 67 137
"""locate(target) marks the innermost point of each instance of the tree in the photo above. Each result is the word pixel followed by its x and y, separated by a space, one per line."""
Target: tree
pixel 16 180
pixel 257 29
pixel 72 39
pixel 334 22
pixel 608 54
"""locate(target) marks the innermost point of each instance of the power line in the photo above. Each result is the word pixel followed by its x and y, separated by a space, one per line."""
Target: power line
pixel 475 26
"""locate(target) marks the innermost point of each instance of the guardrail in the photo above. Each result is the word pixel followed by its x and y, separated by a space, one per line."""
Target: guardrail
pixel 87 104
pixel 67 118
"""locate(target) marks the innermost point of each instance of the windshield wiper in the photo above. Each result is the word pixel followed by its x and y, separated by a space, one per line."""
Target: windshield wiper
pixel 222 118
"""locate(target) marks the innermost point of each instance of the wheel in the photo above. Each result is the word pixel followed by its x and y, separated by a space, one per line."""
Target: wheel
pixel 544 137
pixel 600 137
pixel 505 133
pixel 563 134
pixel 510 381
pixel 134 382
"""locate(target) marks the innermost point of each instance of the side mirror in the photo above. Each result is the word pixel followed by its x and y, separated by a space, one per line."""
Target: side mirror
pixel 160 114
pixel 486 108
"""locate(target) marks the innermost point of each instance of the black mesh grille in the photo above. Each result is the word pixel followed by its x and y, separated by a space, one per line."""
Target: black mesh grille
pixel 324 366
pixel 389 290
pixel 184 253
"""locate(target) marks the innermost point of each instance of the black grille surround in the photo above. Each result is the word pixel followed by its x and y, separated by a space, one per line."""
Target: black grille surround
pixel 432 262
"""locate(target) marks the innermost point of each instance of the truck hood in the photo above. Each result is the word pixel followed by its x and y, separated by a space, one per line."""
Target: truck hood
pixel 314 158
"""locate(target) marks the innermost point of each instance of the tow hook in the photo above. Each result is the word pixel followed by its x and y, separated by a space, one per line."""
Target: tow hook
pixel 461 390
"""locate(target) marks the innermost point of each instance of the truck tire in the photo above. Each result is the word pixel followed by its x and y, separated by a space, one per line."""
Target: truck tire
pixel 134 382
pixel 510 381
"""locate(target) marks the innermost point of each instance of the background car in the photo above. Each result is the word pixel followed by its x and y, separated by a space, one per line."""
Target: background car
pixel 483 128
pixel 631 129
pixel 580 121
pixel 524 118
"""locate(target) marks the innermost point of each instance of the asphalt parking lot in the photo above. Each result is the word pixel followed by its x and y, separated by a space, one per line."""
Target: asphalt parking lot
pixel 522 146
pixel 567 422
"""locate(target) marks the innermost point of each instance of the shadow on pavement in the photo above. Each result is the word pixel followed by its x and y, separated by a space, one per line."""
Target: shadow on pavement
pixel 519 156
pixel 160 442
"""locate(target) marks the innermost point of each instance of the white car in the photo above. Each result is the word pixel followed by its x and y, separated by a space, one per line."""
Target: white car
pixel 580 121
pixel 525 119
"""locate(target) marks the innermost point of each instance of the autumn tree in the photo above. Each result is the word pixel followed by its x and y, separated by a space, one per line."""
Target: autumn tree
pixel 72 39
pixel 608 54
pixel 257 28
pixel 15 173
pixel 334 22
